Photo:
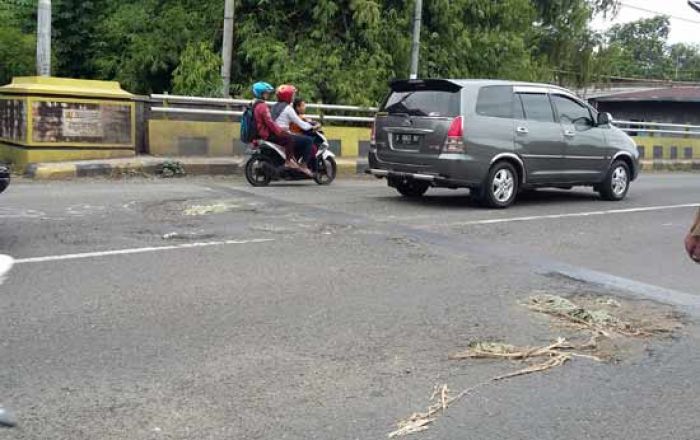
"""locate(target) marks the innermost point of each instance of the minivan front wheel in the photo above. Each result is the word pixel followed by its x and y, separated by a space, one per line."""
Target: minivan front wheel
pixel 617 182
pixel 501 186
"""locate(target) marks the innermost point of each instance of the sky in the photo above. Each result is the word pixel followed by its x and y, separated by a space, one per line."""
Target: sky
pixel 685 21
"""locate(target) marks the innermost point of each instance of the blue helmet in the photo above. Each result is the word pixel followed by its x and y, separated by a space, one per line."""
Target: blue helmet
pixel 262 87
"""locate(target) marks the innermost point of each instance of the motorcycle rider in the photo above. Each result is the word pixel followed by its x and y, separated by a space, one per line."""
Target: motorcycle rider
pixel 268 130
pixel 284 116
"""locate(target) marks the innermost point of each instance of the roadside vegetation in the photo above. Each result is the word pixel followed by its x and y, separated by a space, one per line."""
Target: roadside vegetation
pixel 339 50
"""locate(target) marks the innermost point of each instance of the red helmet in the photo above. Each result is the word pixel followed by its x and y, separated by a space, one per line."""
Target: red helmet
pixel 286 93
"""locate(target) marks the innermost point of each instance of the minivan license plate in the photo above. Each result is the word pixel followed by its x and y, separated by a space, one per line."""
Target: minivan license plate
pixel 407 140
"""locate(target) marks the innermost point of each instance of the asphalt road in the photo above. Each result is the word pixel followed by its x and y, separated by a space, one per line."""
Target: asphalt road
pixel 207 309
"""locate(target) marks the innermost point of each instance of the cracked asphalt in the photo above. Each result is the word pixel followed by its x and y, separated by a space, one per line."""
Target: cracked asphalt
pixel 202 308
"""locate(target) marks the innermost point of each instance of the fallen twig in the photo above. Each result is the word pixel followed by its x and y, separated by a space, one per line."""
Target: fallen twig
pixel 557 352
pixel 555 361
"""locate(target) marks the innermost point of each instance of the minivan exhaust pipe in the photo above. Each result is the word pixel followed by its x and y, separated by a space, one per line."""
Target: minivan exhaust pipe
pixel 415 176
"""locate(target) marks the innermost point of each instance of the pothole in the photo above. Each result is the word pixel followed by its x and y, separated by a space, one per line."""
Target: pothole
pixel 333 228
pixel 200 235
pixel 219 207
pixel 414 248
pixel 272 229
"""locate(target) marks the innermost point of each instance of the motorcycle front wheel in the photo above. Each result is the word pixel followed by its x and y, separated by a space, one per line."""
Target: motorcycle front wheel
pixel 258 171
pixel 326 171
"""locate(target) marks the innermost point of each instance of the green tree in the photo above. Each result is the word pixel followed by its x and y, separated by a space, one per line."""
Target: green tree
pixel 139 43
pixel 198 73
pixel 16 53
pixel 564 39
pixel 17 48
pixel 684 62
pixel 74 30
pixel 333 50
pixel 479 38
pixel 643 46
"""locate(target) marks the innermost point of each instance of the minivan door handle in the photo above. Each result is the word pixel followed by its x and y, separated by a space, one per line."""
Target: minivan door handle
pixel 522 130
pixel 569 133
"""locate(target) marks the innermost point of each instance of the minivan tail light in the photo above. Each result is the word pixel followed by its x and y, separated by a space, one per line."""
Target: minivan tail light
pixel 455 137
pixel 373 136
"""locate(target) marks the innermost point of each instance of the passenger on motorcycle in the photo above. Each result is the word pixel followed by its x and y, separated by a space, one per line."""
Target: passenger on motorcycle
pixel 268 130
pixel 300 109
pixel 284 115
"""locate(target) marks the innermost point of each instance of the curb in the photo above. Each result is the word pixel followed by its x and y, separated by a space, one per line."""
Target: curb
pixel 671 165
pixel 59 171
pixel 347 167
pixel 233 166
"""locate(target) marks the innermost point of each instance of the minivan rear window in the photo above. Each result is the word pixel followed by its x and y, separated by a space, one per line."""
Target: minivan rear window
pixel 429 103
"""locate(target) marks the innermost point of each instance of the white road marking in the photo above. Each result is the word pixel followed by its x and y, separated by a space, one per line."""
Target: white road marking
pixel 6 263
pixel 137 250
pixel 573 214
pixel 20 213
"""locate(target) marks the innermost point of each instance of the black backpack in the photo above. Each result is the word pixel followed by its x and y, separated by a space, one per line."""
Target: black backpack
pixel 249 129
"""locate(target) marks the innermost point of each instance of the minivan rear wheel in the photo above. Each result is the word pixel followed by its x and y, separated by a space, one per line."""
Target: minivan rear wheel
pixel 410 188
pixel 617 182
pixel 501 186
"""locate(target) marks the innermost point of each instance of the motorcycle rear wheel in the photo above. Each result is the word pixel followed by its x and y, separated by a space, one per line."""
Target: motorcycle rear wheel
pixel 258 171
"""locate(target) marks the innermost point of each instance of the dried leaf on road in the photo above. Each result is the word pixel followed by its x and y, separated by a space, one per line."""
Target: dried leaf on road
pixel 496 350
pixel 600 321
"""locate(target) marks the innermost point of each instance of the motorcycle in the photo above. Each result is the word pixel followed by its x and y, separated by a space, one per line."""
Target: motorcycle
pixel 266 163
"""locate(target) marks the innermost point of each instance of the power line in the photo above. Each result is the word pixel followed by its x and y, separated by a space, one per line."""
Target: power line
pixel 651 11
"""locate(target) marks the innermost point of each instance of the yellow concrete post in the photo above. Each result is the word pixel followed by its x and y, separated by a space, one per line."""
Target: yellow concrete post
pixel 46 119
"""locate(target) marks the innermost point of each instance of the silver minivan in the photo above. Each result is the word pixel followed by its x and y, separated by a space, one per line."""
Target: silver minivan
pixel 497 138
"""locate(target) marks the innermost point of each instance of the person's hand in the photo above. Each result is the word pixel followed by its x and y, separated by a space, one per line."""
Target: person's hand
pixel 692 246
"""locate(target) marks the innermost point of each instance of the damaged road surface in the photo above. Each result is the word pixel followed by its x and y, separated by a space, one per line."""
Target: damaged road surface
pixel 205 309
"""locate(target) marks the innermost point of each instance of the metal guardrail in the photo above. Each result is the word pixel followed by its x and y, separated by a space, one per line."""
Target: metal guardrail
pixel 199 111
pixel 241 103
pixel 658 128
pixel 196 111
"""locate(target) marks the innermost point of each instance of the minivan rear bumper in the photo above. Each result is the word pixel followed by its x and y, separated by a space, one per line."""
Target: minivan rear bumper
pixel 449 170
pixel 434 179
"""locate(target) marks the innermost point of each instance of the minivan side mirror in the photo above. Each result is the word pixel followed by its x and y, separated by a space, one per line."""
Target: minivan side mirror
pixel 605 118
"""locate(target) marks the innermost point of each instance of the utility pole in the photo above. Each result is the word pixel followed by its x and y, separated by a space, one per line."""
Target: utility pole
pixel 227 50
pixel 415 47
pixel 43 39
